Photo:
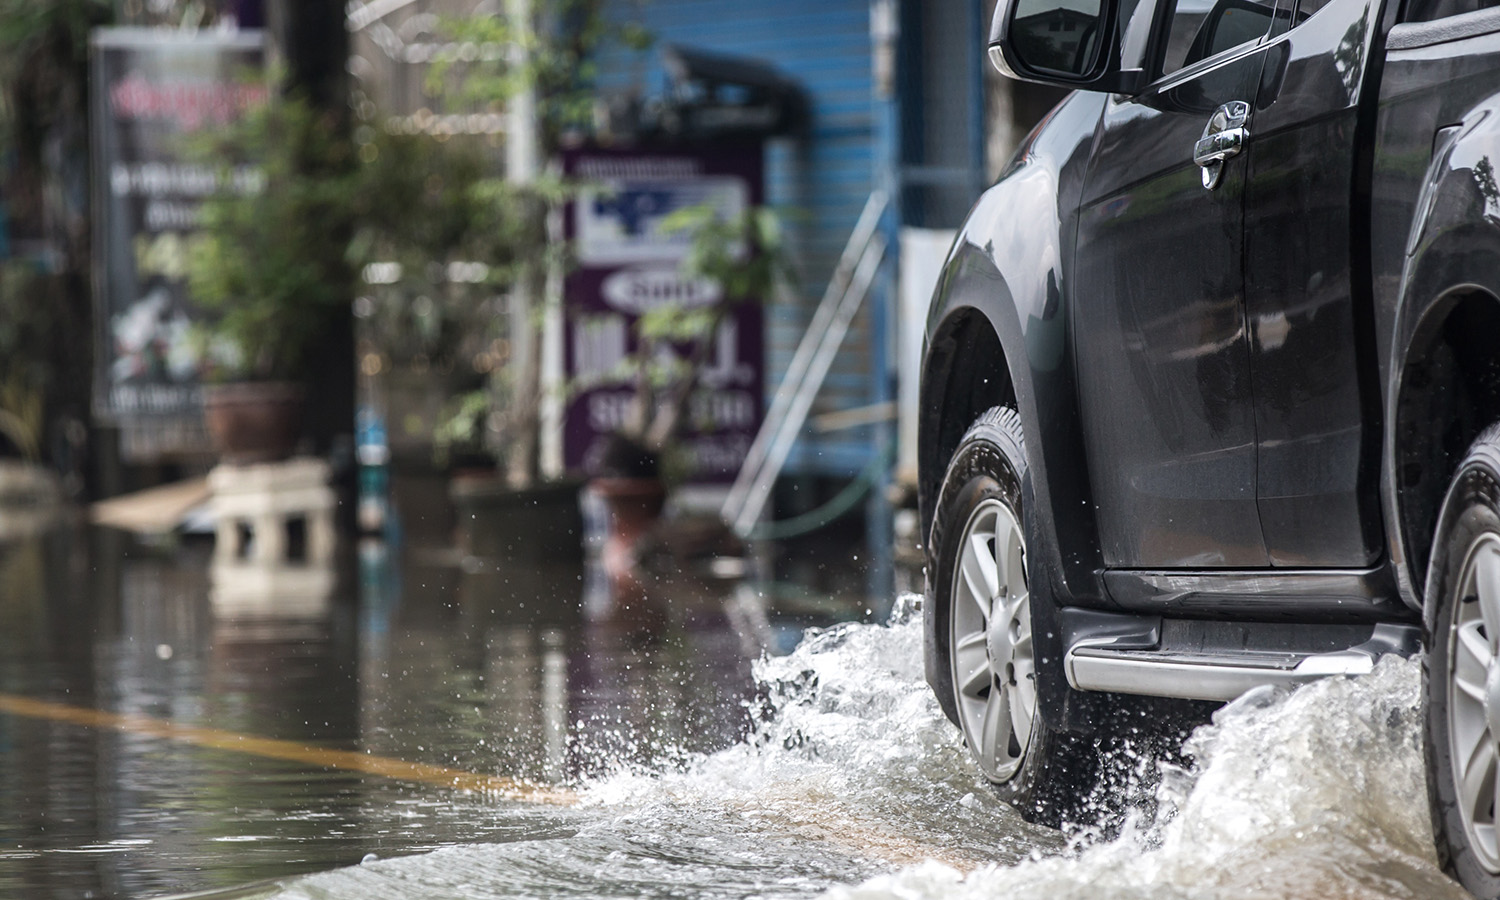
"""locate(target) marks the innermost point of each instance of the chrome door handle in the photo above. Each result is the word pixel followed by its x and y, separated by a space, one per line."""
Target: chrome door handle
pixel 1218 147
pixel 1224 136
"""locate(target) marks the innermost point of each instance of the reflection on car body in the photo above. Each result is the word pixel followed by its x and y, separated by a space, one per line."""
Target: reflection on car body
pixel 1211 395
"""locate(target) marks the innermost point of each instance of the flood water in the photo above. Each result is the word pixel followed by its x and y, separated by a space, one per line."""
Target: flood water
pixel 683 754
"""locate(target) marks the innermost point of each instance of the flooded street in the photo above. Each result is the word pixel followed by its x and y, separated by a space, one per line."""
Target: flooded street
pixel 491 449
pixel 421 727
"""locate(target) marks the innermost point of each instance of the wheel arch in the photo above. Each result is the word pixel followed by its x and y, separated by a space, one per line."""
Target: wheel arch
pixel 954 395
pixel 998 336
pixel 1446 392
pixel 1444 371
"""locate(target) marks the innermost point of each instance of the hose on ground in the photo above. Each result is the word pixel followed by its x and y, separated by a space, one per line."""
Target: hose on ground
pixel 840 504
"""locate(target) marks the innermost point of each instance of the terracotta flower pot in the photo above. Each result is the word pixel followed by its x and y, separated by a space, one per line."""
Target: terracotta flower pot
pixel 634 505
pixel 254 421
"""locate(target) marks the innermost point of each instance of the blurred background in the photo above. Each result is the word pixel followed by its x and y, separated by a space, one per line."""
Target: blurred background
pixel 340 340
pixel 445 308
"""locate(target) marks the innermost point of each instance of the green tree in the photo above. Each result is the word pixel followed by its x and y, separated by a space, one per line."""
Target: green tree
pixel 544 79
pixel 272 260
pixel 746 258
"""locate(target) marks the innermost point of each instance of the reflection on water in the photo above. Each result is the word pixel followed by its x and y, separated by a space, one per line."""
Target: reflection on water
pixel 415 656
pixel 852 786
pixel 698 772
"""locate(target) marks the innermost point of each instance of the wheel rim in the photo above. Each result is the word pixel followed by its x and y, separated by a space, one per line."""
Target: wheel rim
pixel 1474 697
pixel 994 667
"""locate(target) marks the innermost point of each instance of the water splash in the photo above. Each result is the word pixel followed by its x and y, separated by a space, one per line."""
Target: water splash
pixel 850 769
pixel 1316 792
pixel 852 784
pixel 849 748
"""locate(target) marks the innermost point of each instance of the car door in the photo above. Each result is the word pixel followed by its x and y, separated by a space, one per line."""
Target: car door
pixel 1312 332
pixel 1161 338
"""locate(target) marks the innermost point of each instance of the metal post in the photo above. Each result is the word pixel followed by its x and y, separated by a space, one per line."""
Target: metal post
pixel 885 35
pixel 523 153
pixel 522 166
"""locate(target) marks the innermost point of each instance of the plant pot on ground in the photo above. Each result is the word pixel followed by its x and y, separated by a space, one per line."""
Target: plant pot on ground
pixel 254 421
pixel 626 476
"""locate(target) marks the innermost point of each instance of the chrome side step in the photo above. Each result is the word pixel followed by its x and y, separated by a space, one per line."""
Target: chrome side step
pixel 1199 675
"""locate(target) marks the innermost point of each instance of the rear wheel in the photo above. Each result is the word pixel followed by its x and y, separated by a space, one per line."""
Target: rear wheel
pixel 1461 672
pixel 982 585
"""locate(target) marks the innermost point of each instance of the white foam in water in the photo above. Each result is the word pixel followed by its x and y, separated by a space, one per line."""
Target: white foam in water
pixel 854 772
pixel 853 750
pixel 1317 792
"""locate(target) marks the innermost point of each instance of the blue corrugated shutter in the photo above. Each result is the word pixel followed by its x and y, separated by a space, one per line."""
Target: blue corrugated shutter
pixel 821 182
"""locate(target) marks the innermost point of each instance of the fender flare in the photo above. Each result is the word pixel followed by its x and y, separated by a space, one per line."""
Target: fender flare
pixel 1452 265
pixel 1003 290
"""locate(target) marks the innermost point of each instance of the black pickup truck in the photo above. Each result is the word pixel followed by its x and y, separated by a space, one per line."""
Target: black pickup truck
pixel 1211 394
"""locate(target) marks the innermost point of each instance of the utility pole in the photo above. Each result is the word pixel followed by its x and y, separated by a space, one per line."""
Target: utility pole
pixel 885 38
pixel 310 38
pixel 313 44
pixel 523 165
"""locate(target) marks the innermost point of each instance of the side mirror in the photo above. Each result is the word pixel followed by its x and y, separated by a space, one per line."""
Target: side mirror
pixel 1067 43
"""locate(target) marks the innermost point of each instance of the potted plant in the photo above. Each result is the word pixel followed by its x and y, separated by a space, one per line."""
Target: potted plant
pixel 630 470
pixel 430 292
pixel 271 267
pixel 544 81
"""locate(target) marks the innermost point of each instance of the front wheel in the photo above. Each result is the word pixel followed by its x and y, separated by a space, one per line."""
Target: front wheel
pixel 991 654
pixel 1461 672
pixel 982 587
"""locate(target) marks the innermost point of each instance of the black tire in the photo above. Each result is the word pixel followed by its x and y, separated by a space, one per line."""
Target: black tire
pixel 1044 774
pixel 1468 532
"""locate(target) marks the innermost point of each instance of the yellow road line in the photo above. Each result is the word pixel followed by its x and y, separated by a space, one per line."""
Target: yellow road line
pixel 213 738
pixel 850 832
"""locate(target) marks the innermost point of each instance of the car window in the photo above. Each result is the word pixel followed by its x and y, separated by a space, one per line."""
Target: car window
pixel 1427 10
pixel 1202 28
pixel 1306 8
pixel 1137 16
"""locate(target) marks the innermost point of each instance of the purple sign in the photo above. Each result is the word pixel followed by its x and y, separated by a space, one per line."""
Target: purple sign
pixel 627 266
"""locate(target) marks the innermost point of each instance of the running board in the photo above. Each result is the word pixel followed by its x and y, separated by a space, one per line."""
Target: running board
pixel 1199 675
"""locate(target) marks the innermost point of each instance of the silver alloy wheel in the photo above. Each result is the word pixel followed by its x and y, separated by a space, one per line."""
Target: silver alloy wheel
pixel 994 665
pixel 1474 697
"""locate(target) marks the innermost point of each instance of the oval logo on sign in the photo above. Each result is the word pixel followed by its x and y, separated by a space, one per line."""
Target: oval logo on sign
pixel 638 291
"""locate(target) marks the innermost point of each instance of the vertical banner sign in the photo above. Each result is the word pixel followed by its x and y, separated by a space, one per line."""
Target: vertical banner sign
pixel 151 90
pixel 626 266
